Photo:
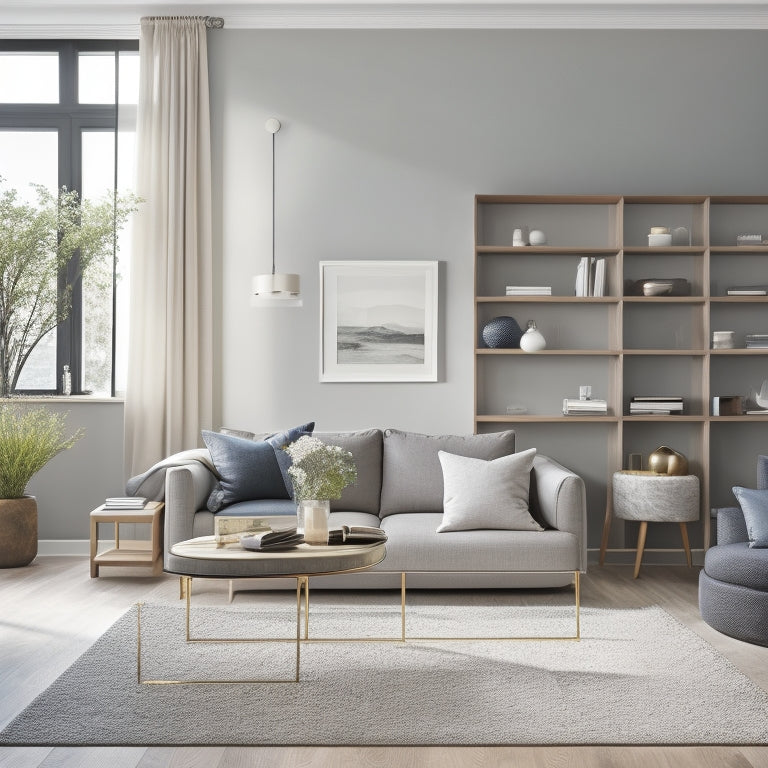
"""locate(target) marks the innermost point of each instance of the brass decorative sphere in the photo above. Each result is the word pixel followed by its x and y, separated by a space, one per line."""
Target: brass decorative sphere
pixel 665 461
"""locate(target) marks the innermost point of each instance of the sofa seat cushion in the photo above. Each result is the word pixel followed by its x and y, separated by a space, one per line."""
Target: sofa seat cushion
pixel 413 544
pixel 413 477
pixel 738 564
pixel 366 449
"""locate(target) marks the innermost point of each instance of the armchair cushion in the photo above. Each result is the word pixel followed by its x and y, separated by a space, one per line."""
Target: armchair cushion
pixel 754 505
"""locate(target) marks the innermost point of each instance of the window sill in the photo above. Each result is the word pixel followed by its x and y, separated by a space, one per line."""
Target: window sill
pixel 59 399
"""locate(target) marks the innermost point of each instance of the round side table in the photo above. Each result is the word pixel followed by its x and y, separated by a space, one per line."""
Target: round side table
pixel 652 498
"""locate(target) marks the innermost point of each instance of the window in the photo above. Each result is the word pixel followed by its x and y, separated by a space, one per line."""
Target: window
pixel 67 119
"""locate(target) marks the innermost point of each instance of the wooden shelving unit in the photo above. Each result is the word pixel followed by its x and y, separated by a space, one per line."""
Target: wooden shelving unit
pixel 622 345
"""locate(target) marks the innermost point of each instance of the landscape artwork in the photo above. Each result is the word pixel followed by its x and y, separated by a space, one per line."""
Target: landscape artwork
pixel 379 321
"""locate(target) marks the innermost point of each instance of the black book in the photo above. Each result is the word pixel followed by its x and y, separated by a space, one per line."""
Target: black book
pixel 286 538
pixel 356 534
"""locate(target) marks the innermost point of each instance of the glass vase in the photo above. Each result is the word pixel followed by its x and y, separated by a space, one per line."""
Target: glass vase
pixel 312 520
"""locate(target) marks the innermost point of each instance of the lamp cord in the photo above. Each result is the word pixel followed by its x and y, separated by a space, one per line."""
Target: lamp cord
pixel 273 203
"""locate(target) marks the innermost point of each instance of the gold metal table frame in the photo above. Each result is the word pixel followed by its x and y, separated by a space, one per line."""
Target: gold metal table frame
pixel 302 586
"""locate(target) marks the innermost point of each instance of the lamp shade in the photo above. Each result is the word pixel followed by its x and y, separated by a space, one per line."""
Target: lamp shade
pixel 269 285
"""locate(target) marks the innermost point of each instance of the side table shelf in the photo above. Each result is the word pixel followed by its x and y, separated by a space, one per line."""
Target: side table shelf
pixel 143 554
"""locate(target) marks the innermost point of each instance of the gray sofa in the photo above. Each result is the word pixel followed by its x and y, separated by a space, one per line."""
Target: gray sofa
pixel 400 489
pixel 733 585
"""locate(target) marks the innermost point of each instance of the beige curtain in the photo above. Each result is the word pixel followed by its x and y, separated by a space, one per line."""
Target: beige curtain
pixel 169 390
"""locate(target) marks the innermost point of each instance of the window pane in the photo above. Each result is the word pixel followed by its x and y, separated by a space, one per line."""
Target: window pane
pixel 126 152
pixel 96 78
pixel 129 77
pixel 39 372
pixel 29 78
pixel 98 180
pixel 28 157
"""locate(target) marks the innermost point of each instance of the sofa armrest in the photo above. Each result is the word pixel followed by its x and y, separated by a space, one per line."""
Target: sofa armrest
pixel 731 527
pixel 559 499
pixel 186 490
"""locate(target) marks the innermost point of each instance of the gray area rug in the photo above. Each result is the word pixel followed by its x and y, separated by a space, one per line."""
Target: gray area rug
pixel 636 677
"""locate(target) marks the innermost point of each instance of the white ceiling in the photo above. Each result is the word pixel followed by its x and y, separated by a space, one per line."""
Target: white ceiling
pixel 119 18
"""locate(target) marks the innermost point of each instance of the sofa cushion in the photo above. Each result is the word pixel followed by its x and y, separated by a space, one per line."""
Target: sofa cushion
pixel 365 446
pixel 487 494
pixel 414 545
pixel 250 469
pixel 754 505
pixel 413 479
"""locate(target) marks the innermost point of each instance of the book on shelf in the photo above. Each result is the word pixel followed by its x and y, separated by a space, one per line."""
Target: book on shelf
pixel 576 406
pixel 286 538
pixel 125 502
pixel 655 405
pixel 748 290
pixel 756 340
pixel 356 534
pixel 529 290
pixel 590 277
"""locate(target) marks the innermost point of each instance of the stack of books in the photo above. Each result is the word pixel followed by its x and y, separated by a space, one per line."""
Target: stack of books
pixel 590 277
pixel 748 290
pixel 529 290
pixel 125 502
pixel 757 341
pixel 656 404
pixel 578 407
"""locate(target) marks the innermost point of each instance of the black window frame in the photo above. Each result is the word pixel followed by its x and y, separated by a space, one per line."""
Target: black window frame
pixel 70 119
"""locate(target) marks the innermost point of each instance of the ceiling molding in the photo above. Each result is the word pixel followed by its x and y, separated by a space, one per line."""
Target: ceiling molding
pixel 121 20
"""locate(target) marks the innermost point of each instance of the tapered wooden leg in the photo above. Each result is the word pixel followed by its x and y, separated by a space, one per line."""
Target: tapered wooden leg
pixel 640 546
pixel 606 531
pixel 686 544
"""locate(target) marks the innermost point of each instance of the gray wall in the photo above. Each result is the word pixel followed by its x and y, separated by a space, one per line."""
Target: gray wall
pixel 387 136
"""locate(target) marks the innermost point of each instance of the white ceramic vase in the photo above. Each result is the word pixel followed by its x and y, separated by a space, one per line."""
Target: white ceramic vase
pixel 532 340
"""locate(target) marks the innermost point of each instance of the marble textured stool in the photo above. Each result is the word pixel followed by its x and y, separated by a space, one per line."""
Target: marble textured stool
pixel 648 497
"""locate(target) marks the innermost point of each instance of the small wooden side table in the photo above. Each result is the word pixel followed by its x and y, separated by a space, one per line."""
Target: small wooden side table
pixel 143 554
pixel 650 497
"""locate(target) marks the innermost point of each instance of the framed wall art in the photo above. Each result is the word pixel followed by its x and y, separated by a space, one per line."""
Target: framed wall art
pixel 378 320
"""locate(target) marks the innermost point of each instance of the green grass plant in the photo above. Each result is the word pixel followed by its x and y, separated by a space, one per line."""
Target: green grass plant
pixel 29 438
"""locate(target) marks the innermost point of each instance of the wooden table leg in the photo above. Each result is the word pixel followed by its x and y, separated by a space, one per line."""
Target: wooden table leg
pixel 606 532
pixel 640 546
pixel 94 543
pixel 686 544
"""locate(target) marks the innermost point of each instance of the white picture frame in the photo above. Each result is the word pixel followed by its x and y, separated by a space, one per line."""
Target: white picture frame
pixel 378 321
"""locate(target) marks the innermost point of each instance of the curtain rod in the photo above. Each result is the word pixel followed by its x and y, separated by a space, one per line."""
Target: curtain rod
pixel 211 22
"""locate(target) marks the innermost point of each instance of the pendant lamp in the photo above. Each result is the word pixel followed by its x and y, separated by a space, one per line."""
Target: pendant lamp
pixel 276 289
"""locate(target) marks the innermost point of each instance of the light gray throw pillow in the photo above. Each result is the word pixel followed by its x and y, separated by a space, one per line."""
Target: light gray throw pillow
pixel 481 494
pixel 754 505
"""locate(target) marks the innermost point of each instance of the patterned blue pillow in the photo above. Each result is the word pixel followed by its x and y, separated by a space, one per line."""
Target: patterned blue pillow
pixel 250 469
pixel 754 505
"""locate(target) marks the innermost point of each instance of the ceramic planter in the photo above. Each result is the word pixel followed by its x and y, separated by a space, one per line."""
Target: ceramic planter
pixel 18 531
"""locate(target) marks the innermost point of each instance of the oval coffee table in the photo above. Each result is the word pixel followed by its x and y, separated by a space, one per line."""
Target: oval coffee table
pixel 202 558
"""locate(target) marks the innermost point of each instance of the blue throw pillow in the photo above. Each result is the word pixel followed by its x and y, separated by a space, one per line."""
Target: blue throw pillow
pixel 249 469
pixel 754 505
pixel 279 440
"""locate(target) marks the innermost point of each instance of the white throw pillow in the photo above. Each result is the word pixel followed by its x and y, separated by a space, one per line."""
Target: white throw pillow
pixel 482 494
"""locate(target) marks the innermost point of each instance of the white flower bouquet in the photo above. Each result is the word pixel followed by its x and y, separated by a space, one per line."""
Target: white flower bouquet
pixel 319 471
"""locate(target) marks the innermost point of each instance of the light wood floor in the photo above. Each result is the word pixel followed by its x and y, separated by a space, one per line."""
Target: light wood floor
pixel 51 611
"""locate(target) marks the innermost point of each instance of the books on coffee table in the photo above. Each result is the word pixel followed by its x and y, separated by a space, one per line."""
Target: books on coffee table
pixel 125 502
pixel 356 534
pixel 287 538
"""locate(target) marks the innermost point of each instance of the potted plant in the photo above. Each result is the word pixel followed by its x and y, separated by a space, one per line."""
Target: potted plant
pixel 29 439
pixel 45 248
